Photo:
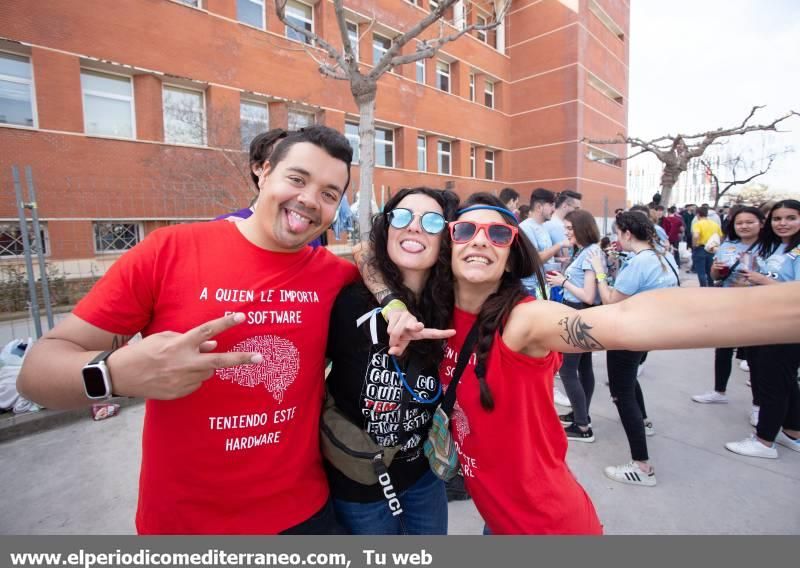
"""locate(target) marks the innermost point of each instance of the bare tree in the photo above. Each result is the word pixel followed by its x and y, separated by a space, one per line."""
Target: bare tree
pixel 342 64
pixel 737 166
pixel 675 152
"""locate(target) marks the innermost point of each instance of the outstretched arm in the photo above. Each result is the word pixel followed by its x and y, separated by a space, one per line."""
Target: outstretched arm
pixel 687 318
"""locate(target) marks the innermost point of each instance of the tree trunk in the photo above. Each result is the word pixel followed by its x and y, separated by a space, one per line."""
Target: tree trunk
pixel 669 178
pixel 366 145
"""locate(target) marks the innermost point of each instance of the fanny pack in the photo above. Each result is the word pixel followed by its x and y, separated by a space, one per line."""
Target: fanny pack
pixel 440 448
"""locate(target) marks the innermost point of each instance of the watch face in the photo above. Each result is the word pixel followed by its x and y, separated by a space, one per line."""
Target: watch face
pixel 95 382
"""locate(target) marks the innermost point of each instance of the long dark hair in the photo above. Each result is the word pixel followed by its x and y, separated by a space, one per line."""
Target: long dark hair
pixel 584 227
pixel 642 229
pixel 435 304
pixel 768 241
pixel 730 232
pixel 523 261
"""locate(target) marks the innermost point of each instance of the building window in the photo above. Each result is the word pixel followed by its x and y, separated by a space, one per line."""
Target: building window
pixel 251 12
pixel 488 163
pixel 433 4
pixel 116 237
pixel 301 15
pixel 253 120
pixel 384 147
pixel 184 116
pixel 605 88
pixel 107 104
pixel 420 71
pixel 16 90
pixel 352 35
pixel 351 133
pixel 443 76
pixel 422 154
pixel 472 161
pixel 606 20
pixel 472 87
pixel 598 155
pixel 488 94
pixel 11 239
pixel 481 34
pixel 195 3
pixel 299 119
pixel 380 45
pixel 443 154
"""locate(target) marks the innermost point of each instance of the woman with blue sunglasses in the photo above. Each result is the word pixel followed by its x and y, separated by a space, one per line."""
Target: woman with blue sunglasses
pixel 393 398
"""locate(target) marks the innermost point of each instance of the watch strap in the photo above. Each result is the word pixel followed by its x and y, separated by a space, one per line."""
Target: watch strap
pixel 101 357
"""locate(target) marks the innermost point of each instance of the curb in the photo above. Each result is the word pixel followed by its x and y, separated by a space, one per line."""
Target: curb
pixel 13 426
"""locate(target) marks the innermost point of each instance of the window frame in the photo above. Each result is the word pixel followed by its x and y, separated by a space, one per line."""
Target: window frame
pixel 14 225
pixel 296 112
pixel 287 29
pixel 261 3
pixel 488 163
pixel 31 89
pixel 440 74
pixel 138 225
pixel 440 153
pixel 379 143
pixel 203 122
pixel 473 172
pixel 482 35
pixel 600 156
pixel 377 35
pixel 424 149
pixel 101 94
pixel 420 65
pixel 353 138
pixel 354 44
pixel 472 87
pixel 246 146
pixel 488 94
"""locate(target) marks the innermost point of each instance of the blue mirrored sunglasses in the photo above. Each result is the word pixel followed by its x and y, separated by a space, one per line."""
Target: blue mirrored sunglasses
pixel 431 222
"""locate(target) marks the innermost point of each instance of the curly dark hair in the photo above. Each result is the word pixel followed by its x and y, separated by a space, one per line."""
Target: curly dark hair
pixel 768 241
pixel 523 261
pixel 435 304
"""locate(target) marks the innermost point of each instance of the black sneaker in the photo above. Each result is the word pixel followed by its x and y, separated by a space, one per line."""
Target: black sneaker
pixel 575 433
pixel 567 419
pixel 456 490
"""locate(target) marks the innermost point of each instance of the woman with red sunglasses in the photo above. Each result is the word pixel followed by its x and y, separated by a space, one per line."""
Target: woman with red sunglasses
pixel 511 445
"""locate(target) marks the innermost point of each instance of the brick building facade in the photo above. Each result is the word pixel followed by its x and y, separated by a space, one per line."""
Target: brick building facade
pixel 133 113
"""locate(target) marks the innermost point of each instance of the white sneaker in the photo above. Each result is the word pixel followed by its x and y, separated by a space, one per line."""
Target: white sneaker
pixel 560 398
pixel 787 442
pixel 744 366
pixel 631 473
pixel 710 398
pixel 649 429
pixel 754 416
pixel 753 448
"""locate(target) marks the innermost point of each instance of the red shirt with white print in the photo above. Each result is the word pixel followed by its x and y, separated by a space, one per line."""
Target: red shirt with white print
pixel 513 457
pixel 241 454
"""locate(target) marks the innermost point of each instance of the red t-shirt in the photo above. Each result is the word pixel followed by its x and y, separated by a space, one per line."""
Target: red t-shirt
pixel 513 457
pixel 241 454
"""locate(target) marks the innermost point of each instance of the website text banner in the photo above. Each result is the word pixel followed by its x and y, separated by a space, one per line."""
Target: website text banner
pixel 358 552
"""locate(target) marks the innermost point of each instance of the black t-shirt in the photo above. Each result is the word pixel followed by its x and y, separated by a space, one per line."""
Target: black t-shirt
pixel 367 389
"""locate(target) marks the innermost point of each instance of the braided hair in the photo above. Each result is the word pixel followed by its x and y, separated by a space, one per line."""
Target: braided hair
pixel 642 228
pixel 434 306
pixel 523 261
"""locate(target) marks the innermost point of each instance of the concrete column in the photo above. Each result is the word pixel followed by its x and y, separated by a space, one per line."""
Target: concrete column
pixel 59 102
pixel 460 150
pixel 222 108
pixel 432 143
pixel 405 147
pixel 226 8
pixel 149 107
pixel 278 115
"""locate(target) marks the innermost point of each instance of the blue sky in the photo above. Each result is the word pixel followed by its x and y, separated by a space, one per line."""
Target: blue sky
pixel 702 64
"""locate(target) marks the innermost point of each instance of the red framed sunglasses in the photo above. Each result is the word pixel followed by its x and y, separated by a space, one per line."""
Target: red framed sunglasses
pixel 499 234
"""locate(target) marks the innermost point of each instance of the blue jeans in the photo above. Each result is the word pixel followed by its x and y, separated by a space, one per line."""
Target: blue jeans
pixel 424 511
pixel 701 262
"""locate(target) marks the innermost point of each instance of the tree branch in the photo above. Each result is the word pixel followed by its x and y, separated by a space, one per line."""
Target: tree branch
pixel 333 53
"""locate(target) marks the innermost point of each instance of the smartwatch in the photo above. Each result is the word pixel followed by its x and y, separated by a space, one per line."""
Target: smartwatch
pixel 96 377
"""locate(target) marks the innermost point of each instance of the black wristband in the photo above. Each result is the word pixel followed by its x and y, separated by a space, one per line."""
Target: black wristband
pixel 388 298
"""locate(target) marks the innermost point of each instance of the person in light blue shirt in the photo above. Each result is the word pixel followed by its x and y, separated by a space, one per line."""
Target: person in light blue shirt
pixel 647 268
pixel 566 201
pixel 541 209
pixel 774 378
pixel 580 291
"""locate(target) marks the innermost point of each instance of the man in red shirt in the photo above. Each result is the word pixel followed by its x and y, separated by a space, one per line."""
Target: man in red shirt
pixel 234 318
pixel 673 225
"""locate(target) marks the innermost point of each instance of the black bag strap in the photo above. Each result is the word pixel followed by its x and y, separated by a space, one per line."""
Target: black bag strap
pixel 463 358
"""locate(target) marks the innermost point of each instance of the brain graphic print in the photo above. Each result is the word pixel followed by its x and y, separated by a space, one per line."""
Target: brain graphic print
pixel 277 371
pixel 460 423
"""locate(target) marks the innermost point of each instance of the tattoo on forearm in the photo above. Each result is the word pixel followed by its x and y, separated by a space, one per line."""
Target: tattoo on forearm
pixel 119 341
pixel 576 333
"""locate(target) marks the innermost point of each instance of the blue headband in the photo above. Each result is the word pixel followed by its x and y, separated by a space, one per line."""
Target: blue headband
pixel 502 210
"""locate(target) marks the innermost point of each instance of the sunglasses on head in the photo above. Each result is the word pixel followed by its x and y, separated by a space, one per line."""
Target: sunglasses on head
pixel 499 234
pixel 431 222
